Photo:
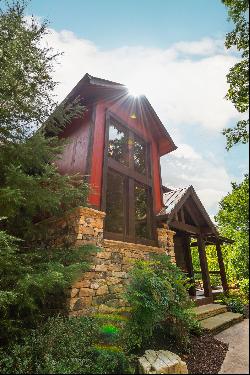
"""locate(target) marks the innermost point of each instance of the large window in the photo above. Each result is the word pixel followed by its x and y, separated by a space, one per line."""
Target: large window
pixel 127 185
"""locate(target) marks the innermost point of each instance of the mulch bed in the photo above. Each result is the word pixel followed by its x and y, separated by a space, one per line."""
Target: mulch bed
pixel 206 355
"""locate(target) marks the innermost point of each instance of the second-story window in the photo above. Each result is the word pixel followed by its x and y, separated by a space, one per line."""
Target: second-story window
pixel 127 186
pixel 118 144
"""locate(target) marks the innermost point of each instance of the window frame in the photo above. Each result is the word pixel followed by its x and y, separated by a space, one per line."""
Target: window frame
pixel 131 177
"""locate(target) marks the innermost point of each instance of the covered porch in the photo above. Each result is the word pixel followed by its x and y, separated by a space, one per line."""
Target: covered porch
pixel 184 213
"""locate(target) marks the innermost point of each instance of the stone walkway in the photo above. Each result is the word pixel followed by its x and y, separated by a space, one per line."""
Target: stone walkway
pixel 237 358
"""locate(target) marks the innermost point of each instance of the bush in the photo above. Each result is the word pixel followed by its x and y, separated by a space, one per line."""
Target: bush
pixel 244 287
pixel 32 283
pixel 235 300
pixel 64 346
pixel 158 297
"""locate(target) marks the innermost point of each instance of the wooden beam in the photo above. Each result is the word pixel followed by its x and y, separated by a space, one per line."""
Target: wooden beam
pixel 184 227
pixel 189 262
pixel 192 213
pixel 204 267
pixel 206 230
pixel 222 267
pixel 182 215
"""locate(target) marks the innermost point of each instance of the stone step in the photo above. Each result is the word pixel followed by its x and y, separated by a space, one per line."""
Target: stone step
pixel 218 323
pixel 207 311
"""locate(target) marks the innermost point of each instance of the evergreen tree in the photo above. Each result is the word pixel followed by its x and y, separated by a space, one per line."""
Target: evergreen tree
pixel 30 122
pixel 31 188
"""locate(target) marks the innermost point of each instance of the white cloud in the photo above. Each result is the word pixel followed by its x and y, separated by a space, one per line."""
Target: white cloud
pixel 203 47
pixel 181 90
pixel 210 180
pixel 186 85
pixel 185 151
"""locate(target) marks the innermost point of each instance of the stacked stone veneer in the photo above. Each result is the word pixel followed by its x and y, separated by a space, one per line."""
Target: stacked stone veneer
pixel 166 240
pixel 101 289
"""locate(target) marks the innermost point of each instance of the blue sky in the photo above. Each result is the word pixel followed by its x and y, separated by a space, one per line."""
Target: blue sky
pixel 155 23
pixel 172 51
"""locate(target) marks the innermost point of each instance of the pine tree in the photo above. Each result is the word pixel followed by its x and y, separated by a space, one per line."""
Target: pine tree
pixel 31 188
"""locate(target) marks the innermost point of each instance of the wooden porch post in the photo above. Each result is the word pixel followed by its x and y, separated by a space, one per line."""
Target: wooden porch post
pixel 189 262
pixel 204 267
pixel 222 267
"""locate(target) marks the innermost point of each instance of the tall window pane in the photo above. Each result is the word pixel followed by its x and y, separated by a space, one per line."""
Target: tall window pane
pixel 141 212
pixel 118 144
pixel 140 156
pixel 115 203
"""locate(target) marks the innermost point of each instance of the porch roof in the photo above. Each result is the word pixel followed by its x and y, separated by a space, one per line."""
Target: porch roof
pixel 183 211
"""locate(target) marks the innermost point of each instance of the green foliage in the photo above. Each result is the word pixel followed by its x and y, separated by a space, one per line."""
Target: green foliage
pixel 235 300
pixel 30 124
pixel 64 346
pixel 31 188
pixel 109 333
pixel 233 222
pixel 238 76
pixel 158 297
pixel 213 264
pixel 32 283
pixel 244 287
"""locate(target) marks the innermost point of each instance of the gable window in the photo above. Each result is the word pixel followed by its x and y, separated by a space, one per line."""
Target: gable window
pixel 127 185
pixel 118 144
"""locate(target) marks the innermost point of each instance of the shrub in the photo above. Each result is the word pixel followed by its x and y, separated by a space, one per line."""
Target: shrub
pixel 235 300
pixel 32 283
pixel 64 346
pixel 244 287
pixel 159 299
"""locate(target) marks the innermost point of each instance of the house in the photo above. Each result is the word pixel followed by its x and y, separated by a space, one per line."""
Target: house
pixel 117 147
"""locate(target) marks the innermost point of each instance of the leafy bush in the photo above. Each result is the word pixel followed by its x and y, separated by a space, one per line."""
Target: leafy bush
pixel 64 346
pixel 235 300
pixel 158 297
pixel 244 287
pixel 32 283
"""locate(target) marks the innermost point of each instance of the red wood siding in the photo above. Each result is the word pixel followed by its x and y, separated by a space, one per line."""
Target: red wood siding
pixel 97 157
pixel 74 157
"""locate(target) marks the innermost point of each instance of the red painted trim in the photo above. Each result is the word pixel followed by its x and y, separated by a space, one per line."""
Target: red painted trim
pixel 156 178
pixel 97 157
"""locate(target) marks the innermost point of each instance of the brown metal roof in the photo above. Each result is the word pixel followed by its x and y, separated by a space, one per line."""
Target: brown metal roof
pixel 174 199
pixel 170 200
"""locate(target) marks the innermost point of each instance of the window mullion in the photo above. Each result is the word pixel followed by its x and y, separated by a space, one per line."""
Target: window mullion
pixel 131 148
pixel 131 208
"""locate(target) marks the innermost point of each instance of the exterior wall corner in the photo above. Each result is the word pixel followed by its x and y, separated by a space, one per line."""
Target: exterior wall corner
pixel 166 241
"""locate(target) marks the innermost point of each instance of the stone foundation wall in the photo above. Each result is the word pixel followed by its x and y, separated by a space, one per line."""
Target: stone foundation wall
pixel 166 240
pixel 102 288
pixel 79 226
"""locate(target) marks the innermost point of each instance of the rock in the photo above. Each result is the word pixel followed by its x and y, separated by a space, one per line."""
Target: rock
pixel 161 362
pixel 86 292
pixel 102 290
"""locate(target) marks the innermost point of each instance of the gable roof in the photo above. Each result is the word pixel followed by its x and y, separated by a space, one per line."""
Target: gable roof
pixel 176 199
pixel 91 88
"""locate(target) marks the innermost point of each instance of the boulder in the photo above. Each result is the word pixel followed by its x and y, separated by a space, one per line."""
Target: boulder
pixel 161 362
